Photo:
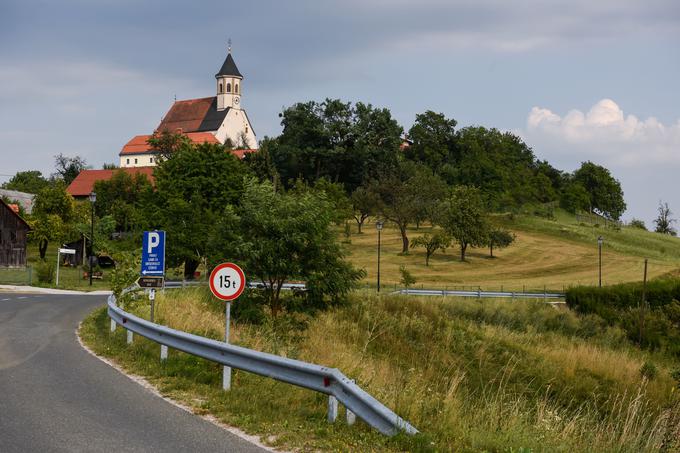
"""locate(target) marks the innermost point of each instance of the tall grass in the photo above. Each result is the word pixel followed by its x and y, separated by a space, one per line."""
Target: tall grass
pixel 471 375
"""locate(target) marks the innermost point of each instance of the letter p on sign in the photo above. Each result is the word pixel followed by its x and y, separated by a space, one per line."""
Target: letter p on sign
pixel 154 240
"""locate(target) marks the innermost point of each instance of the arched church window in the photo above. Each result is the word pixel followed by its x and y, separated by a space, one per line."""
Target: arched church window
pixel 220 90
pixel 236 88
pixel 228 87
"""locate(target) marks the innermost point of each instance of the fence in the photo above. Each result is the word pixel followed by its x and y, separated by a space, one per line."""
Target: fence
pixel 321 379
pixel 17 276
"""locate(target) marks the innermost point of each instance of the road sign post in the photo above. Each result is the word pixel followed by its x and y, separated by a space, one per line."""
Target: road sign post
pixel 153 264
pixel 227 282
pixel 59 253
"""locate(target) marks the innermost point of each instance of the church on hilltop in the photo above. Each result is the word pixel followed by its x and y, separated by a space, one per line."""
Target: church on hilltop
pixel 215 119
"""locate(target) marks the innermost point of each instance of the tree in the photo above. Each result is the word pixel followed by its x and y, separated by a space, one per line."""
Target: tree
pixel 31 181
pixel 605 194
pixel 463 217
pixel 499 238
pixel 167 143
pixel 261 164
pixel 67 168
pixel 122 197
pixel 53 209
pixel 431 243
pixel 287 236
pixel 433 137
pixel 400 198
pixel 664 222
pixel 365 203
pixel 193 188
pixel 637 223
pixel 575 197
pixel 45 229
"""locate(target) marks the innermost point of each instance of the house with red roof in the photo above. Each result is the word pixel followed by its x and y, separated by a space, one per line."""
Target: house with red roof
pixel 215 119
pixel 81 187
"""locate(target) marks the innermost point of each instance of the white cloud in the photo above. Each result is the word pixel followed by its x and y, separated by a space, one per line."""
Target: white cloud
pixel 607 134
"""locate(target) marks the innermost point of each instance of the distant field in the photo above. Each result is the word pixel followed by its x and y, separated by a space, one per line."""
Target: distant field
pixel 556 254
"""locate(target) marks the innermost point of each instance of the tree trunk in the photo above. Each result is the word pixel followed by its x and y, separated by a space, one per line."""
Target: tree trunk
pixel 404 239
pixel 42 248
pixel 463 247
pixel 491 250
pixel 190 266
pixel 427 258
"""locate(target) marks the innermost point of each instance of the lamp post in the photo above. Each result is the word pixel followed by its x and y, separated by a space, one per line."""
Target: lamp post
pixel 599 252
pixel 379 226
pixel 93 199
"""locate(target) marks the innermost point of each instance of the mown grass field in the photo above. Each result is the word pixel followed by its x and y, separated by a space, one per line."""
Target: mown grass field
pixel 551 253
pixel 471 375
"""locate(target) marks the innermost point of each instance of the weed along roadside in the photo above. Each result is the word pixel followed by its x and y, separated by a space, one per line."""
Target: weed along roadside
pixel 471 375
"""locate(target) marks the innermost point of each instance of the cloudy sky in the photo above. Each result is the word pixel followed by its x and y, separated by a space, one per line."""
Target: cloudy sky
pixel 578 80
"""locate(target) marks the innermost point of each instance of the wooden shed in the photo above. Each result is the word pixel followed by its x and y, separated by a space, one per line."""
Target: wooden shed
pixel 13 237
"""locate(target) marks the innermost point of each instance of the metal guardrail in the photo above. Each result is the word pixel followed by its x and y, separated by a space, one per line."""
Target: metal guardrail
pixel 479 293
pixel 310 376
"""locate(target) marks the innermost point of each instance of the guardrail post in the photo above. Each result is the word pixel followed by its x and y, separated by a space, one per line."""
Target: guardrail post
pixel 129 337
pixel 332 409
pixel 349 415
pixel 226 378
pixel 113 325
pixel 479 292
pixel 164 352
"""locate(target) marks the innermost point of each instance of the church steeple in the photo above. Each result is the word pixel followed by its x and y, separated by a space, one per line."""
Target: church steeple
pixel 229 83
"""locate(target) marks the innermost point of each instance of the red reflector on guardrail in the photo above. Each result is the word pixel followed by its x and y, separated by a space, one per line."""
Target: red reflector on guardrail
pixel 326 382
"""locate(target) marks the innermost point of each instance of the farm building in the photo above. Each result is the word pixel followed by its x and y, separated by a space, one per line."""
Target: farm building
pixel 13 237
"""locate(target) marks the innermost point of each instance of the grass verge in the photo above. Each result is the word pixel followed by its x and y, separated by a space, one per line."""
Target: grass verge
pixel 471 375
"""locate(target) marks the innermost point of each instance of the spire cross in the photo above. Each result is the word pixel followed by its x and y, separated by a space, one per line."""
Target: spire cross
pixel 229 45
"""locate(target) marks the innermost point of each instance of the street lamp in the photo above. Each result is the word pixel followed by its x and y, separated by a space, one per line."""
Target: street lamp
pixel 93 199
pixel 599 252
pixel 379 226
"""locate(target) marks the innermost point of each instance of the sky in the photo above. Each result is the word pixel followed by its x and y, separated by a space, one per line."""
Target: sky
pixel 577 80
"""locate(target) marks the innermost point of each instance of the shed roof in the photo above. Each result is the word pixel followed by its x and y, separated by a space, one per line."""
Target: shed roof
pixel 84 182
pixel 4 205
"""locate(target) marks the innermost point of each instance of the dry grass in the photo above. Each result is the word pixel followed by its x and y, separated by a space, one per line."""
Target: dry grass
pixel 471 375
pixel 534 260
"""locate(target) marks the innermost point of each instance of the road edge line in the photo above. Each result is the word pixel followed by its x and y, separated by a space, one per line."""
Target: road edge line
pixel 143 382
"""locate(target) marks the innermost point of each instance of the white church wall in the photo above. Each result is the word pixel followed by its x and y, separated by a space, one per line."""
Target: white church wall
pixel 138 160
pixel 233 125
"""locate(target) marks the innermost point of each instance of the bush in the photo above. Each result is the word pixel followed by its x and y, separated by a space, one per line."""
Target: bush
pixel 648 371
pixel 45 272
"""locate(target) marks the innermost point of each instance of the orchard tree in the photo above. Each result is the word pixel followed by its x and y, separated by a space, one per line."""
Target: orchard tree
pixel 431 243
pixel 31 181
pixel 664 222
pixel 499 238
pixel 604 192
pixel 463 217
pixel 365 203
pixel 45 229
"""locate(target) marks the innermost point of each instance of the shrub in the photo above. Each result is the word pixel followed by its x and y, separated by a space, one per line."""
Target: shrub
pixel 648 371
pixel 45 272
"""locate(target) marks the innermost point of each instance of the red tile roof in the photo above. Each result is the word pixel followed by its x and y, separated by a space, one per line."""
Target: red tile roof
pixel 84 182
pixel 193 115
pixel 139 144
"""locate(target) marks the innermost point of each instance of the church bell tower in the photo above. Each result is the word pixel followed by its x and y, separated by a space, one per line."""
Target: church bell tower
pixel 229 86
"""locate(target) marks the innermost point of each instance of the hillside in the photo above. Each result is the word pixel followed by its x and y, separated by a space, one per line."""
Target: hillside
pixel 471 375
pixel 555 253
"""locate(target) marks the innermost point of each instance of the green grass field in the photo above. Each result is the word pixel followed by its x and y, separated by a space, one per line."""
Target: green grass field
pixel 471 375
pixel 551 253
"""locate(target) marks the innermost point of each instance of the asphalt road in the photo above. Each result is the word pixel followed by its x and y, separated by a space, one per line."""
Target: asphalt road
pixel 56 397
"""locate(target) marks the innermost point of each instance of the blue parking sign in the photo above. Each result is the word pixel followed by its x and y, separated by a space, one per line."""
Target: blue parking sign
pixel 153 253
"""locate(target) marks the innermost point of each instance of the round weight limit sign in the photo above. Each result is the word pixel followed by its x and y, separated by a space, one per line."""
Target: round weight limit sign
pixel 227 282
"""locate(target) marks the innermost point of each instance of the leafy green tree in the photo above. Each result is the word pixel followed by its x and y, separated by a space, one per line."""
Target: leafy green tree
pixel 31 181
pixel 67 168
pixel 45 229
pixel 499 238
pixel 433 136
pixel 261 164
pixel 575 197
pixel 333 139
pixel 167 143
pixel 365 203
pixel 637 223
pixel 664 222
pixel 122 197
pixel 54 200
pixel 431 243
pixel 605 194
pixel 400 198
pixel 338 199
pixel 193 187
pixel 283 237
pixel 463 217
